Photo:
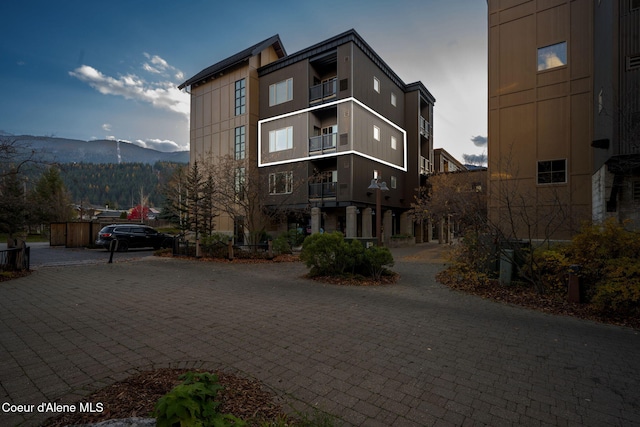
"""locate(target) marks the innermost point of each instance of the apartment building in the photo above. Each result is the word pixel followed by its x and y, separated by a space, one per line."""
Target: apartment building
pixel 561 74
pixel 315 127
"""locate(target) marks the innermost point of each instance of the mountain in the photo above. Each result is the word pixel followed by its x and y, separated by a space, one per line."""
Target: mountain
pixel 62 150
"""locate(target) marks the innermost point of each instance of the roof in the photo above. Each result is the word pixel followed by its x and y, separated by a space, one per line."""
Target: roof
pixel 236 59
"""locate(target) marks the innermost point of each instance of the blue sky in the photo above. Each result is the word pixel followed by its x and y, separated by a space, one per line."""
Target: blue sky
pixel 95 70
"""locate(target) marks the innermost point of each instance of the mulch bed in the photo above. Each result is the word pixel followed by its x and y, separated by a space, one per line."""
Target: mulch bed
pixel 137 396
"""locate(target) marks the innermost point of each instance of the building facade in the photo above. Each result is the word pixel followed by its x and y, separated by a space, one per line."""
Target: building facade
pixel 558 80
pixel 315 127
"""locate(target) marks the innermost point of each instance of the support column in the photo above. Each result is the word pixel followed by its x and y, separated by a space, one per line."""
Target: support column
pixel 367 223
pixel 315 220
pixel 441 231
pixel 352 222
pixel 429 230
pixel 406 224
pixel 387 226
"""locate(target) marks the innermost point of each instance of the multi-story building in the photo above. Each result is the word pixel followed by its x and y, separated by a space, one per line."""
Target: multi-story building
pixel 562 83
pixel 317 126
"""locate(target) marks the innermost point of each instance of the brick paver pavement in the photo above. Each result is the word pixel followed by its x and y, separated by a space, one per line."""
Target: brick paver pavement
pixel 412 354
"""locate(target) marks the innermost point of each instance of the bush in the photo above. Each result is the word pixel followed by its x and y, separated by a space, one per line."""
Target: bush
pixel 192 404
pixel 328 254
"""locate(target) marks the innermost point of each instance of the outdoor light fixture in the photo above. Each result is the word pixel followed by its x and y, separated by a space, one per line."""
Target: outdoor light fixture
pixel 379 187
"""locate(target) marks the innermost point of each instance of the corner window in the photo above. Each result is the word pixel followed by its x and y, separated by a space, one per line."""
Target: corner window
pixel 376 133
pixel 281 182
pixel 552 171
pixel 376 84
pixel 280 92
pixel 552 56
pixel 241 98
pixel 281 139
pixel 240 143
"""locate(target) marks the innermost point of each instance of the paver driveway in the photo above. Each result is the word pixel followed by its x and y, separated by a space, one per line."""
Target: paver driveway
pixel 415 353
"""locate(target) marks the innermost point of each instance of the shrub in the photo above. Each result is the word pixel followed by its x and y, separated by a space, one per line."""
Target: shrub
pixel 281 245
pixel 192 404
pixel 328 254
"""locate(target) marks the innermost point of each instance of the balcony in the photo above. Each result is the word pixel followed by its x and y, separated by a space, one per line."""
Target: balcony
pixel 322 190
pixel 323 144
pixel 324 91
pixel 426 167
pixel 425 127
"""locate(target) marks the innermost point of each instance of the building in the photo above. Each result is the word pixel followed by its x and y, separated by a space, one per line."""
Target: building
pixel 315 127
pixel 443 161
pixel 561 73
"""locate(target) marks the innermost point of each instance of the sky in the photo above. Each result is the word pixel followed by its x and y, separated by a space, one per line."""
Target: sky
pixel 110 70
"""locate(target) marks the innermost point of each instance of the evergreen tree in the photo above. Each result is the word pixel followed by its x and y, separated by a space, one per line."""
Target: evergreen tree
pixel 49 201
pixel 12 203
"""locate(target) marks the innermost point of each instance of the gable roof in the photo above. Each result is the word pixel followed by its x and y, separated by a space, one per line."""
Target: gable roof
pixel 236 59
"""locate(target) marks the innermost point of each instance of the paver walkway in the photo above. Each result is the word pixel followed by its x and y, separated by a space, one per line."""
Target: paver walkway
pixel 412 354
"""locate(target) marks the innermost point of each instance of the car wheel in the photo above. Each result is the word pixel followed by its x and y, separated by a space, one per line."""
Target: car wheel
pixel 123 246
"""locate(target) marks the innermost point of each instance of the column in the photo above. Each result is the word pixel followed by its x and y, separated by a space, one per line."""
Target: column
pixel 387 226
pixel 315 220
pixel 367 221
pixel 352 222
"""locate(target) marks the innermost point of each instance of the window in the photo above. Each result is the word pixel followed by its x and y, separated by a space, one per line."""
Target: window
pixel 393 182
pixel 241 98
pixel 394 143
pixel 240 146
pixel 552 171
pixel 376 133
pixel 636 191
pixel 281 139
pixel 239 182
pixel 281 92
pixel 552 56
pixel 281 182
pixel 393 99
pixel 376 174
pixel 633 62
pixel 376 84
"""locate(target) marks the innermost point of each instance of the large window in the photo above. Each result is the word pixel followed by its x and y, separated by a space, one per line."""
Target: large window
pixel 281 92
pixel 240 143
pixel 552 56
pixel 241 97
pixel 552 171
pixel 281 139
pixel 281 182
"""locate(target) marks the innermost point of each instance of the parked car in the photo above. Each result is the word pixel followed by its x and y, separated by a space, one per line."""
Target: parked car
pixel 133 236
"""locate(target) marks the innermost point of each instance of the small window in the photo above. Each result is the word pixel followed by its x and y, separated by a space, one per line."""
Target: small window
pixel 280 92
pixel 376 84
pixel 376 133
pixel 393 182
pixel 552 171
pixel 281 139
pixel 552 56
pixel 394 100
pixel 241 98
pixel 281 182
pixel 240 143
pixel 376 174
pixel 633 62
pixel 394 143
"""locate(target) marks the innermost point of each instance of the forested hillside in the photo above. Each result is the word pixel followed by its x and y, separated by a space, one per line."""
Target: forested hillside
pixel 117 185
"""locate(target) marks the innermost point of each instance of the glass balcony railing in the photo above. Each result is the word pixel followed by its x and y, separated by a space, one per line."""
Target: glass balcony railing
pixel 323 91
pixel 323 144
pixel 322 190
pixel 425 127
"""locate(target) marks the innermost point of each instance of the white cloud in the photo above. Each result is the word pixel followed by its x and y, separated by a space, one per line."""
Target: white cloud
pixel 106 127
pixel 164 145
pixel 162 94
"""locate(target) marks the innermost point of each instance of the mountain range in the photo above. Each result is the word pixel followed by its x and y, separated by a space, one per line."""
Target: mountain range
pixel 62 150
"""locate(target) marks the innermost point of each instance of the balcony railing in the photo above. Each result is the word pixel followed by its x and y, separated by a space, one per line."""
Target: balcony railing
pixel 425 127
pixel 322 190
pixel 323 91
pixel 426 167
pixel 323 144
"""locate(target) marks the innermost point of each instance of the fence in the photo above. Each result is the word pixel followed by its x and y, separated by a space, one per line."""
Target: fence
pixel 15 259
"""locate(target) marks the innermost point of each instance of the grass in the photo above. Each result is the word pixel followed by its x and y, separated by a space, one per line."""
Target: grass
pixel 31 238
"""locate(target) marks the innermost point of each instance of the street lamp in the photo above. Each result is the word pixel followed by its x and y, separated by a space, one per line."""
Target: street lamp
pixel 379 187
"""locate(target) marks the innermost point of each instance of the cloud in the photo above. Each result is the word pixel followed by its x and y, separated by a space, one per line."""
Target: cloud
pixel 106 127
pixel 479 141
pixel 162 94
pixel 475 159
pixel 164 145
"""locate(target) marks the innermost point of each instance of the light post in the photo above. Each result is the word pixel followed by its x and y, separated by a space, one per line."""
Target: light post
pixel 379 187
